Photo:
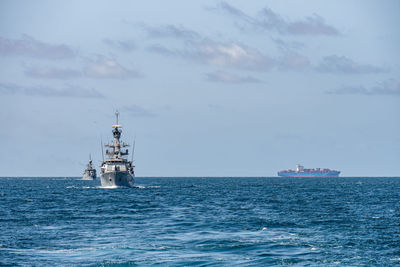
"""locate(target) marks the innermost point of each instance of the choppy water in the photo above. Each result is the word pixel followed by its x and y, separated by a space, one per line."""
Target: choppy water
pixel 201 221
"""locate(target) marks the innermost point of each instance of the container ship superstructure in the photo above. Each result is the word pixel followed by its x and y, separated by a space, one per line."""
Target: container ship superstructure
pixel 301 172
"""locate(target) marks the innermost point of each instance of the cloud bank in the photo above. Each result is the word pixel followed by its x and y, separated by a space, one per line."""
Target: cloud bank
pixel 170 31
pixel 235 55
pixel 108 68
pixel 207 51
pixel 229 54
pixel 122 45
pixel 100 68
pixel 52 73
pixel 344 65
pixel 29 47
pixel 270 21
pixel 66 91
pixel 232 55
pixel 389 87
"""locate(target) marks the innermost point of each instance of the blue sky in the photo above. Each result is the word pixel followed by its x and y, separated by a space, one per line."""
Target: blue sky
pixel 209 88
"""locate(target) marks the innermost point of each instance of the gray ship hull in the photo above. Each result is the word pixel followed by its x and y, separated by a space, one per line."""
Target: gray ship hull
pixel 117 179
pixel 88 177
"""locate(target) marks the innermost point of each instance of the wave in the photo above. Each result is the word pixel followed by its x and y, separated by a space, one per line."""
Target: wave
pixel 147 187
pixel 111 187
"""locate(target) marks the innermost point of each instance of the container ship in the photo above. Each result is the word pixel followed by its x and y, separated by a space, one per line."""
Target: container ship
pixel 301 172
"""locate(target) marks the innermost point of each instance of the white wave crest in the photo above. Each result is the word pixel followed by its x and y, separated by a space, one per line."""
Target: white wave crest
pixel 147 187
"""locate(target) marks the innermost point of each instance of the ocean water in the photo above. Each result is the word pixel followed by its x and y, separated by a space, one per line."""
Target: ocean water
pixel 201 222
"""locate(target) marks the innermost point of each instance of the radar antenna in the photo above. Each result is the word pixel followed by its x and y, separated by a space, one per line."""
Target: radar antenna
pixel 117 115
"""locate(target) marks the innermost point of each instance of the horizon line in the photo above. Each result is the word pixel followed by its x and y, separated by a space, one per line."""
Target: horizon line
pixel 206 177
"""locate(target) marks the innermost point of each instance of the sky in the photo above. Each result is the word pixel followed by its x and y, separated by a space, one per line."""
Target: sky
pixel 209 88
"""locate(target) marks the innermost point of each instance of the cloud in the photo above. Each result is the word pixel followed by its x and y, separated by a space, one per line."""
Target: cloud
pixel 171 31
pixel 229 55
pixel 225 77
pixel 287 45
pixel 162 50
pixel 29 47
pixel 344 65
pixel 52 73
pixel 313 25
pixel 269 20
pixel 138 111
pixel 100 68
pixel 107 68
pixel 233 11
pixel 208 52
pixel 234 55
pixel 124 45
pixel 67 91
pixel 389 87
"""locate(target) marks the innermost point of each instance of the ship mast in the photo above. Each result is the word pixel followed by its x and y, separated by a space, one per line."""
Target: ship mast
pixel 116 146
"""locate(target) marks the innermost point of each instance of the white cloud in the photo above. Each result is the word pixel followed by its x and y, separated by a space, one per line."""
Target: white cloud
pixel 225 54
pixel 107 68
pixel 230 55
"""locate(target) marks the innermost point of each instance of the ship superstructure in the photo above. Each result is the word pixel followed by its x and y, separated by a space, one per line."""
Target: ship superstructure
pixel 302 172
pixel 116 170
pixel 90 172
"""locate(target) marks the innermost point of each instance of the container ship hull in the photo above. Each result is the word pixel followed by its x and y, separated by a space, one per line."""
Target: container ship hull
pixel 312 174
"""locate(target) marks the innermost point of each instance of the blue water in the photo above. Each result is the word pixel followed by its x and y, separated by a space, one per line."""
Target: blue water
pixel 201 222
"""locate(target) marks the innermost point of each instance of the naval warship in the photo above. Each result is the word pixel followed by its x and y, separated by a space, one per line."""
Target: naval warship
pixel 116 170
pixel 90 172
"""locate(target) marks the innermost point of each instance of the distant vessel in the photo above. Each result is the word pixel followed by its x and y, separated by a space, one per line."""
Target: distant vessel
pixel 90 172
pixel 117 170
pixel 301 172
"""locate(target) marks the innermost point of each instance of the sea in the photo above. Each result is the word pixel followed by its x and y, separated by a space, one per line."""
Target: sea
pixel 195 221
